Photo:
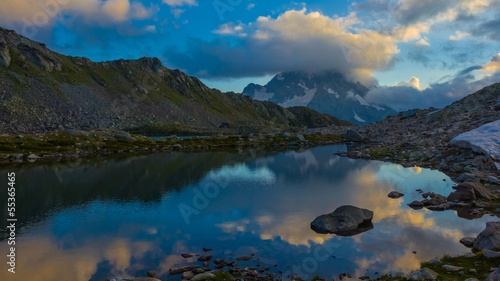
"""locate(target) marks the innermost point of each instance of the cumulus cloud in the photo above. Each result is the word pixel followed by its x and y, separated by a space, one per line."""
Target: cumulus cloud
pixel 459 35
pixel 44 13
pixel 413 82
pixel 295 40
pixel 406 95
pixel 493 65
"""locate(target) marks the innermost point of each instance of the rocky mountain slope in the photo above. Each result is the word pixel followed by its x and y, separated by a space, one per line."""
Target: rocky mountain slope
pixel 422 137
pixel 327 92
pixel 42 91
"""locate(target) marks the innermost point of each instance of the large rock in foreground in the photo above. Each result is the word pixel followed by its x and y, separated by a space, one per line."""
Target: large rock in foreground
pixel 489 238
pixel 344 221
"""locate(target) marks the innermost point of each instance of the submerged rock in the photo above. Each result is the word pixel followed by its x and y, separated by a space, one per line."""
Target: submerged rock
pixel 344 221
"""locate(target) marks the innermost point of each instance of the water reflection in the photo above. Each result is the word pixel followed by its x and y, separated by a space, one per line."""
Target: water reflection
pixel 121 217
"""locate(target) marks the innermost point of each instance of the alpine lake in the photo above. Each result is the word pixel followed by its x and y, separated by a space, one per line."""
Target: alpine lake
pixel 95 219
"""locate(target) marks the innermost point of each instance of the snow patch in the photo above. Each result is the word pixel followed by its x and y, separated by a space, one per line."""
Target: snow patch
pixel 301 100
pixel 362 101
pixel 359 119
pixel 280 77
pixel 262 95
pixel 330 91
pixel 485 139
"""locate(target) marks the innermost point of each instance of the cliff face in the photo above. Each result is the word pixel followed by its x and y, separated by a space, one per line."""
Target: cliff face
pixel 42 91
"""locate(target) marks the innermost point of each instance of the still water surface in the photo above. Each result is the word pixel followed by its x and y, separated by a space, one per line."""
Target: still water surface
pixel 124 217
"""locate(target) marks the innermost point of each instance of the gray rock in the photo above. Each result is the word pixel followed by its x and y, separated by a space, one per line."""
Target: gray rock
pixel 492 179
pixel 408 113
pixel 468 241
pixel 354 136
pixel 490 254
pixel 435 261
pixel 489 238
pixel 466 177
pixel 440 207
pixel 469 191
pixel 205 258
pixel 423 274
pixel 182 269
pixel 494 276
pixel 452 268
pixel 344 221
pixel 395 194
pixel 416 205
pixel 203 276
pixel 33 157
pixel 436 199
pixel 187 275
pixel 74 132
pixel 4 55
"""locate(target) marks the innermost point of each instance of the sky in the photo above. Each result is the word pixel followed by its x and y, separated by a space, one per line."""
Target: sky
pixel 410 53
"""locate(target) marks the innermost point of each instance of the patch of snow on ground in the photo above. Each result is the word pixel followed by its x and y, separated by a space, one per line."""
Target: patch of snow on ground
pixel 356 116
pixel 262 95
pixel 485 139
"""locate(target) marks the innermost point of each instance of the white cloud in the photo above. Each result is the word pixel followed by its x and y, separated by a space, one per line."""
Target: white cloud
pixel 493 65
pixel 423 42
pixel 44 13
pixel 413 82
pixel 299 39
pixel 175 3
pixel 250 6
pixel 117 9
pixel 231 29
pixel 458 35
pixel 408 95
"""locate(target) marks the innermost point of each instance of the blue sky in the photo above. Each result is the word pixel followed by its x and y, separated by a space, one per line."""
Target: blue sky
pixel 408 49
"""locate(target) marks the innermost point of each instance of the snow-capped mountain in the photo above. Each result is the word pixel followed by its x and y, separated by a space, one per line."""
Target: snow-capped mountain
pixel 327 92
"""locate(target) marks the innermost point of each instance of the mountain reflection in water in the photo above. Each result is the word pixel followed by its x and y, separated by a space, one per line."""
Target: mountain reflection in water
pixel 124 217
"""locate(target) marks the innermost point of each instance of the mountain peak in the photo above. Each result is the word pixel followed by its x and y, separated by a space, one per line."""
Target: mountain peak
pixel 325 91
